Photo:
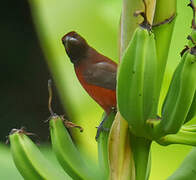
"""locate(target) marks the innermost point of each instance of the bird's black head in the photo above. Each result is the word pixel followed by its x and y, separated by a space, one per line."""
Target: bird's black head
pixel 75 46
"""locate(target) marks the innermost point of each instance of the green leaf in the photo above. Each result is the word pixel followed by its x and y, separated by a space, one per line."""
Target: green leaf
pixel 187 170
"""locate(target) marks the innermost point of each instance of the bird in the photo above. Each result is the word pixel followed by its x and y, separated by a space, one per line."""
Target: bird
pixel 95 72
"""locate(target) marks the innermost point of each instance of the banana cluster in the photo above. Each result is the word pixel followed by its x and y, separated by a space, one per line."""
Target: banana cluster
pixel 137 93
pixel 138 89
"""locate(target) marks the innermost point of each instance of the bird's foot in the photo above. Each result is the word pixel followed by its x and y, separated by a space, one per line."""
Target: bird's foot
pixel 100 128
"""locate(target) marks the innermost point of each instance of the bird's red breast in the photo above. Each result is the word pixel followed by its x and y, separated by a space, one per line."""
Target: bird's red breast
pixel 106 98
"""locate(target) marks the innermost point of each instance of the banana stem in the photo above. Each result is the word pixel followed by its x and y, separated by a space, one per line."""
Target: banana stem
pixel 129 22
pixel 163 25
pixel 141 154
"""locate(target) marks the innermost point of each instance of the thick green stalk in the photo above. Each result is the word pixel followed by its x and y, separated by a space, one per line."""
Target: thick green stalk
pixel 163 26
pixel 129 22
pixel 141 156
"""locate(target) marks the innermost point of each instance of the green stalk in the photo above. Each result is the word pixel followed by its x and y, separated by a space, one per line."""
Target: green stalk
pixel 129 22
pixel 164 21
pixel 141 155
pixel 103 143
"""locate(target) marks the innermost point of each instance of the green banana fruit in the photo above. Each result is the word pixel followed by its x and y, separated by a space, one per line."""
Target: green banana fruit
pixel 68 155
pixel 180 95
pixel 137 81
pixel 29 160
pixel 186 136
pixel 191 44
pixel 189 128
pixel 103 143
pixel 142 156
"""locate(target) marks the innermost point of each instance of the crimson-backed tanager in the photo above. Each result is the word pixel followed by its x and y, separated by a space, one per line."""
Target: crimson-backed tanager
pixel 96 73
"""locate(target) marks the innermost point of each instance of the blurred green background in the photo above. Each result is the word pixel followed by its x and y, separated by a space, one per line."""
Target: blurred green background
pixel 32 45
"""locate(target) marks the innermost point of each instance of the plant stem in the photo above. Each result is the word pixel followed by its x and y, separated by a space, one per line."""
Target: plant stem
pixel 164 21
pixel 141 151
pixel 129 22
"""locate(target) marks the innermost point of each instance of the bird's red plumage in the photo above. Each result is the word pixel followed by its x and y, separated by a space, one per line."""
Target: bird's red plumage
pixel 106 98
pixel 96 73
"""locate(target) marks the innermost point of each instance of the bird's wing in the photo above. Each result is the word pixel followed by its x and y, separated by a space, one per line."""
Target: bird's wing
pixel 101 74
